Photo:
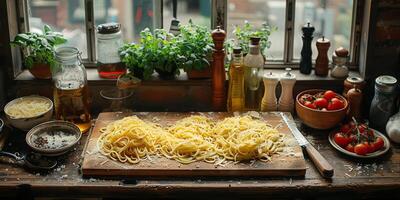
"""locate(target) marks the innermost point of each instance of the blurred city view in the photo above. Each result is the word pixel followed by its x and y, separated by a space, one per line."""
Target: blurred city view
pixel 331 18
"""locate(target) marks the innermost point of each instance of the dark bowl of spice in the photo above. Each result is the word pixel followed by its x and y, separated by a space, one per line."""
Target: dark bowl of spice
pixel 53 138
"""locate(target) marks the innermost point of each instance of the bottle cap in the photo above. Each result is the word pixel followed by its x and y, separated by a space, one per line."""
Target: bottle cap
pixel 108 28
pixel 354 79
pixel 385 83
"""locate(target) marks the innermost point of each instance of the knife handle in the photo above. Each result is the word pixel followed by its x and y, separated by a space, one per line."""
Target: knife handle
pixel 319 161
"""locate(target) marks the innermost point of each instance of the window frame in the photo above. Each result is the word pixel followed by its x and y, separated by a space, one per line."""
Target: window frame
pixel 218 18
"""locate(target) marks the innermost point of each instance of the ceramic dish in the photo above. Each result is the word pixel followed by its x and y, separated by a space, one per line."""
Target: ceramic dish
pixel 319 119
pixel 26 123
pixel 53 138
pixel 380 152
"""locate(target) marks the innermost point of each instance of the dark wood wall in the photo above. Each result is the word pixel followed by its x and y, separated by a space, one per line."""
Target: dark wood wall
pixel 384 43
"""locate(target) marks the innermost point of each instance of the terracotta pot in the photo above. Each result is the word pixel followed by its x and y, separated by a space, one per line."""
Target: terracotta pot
pixel 199 74
pixel 41 71
pixel 138 73
pixel 166 75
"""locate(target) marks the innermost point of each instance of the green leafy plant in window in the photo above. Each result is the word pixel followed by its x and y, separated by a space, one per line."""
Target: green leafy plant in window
pixel 195 47
pixel 39 48
pixel 156 51
pixel 243 33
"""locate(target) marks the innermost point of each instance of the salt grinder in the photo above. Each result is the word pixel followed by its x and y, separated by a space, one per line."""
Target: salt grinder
pixel 306 52
pixel 286 102
pixel 269 102
pixel 322 61
pixel 339 59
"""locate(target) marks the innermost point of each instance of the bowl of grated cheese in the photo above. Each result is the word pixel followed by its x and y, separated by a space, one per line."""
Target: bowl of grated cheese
pixel 26 112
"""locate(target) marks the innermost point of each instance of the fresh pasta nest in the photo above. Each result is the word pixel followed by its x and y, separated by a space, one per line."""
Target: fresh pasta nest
pixel 191 139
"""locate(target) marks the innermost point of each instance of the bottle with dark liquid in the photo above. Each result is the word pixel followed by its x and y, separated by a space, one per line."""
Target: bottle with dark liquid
pixel 71 94
pixel 109 40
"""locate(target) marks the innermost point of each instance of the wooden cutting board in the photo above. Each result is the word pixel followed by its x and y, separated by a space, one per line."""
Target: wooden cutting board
pixel 288 163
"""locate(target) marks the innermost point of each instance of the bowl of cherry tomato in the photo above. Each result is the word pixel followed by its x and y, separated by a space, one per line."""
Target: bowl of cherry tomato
pixel 359 140
pixel 321 109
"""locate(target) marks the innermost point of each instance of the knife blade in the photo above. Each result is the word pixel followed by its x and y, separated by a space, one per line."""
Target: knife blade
pixel 323 166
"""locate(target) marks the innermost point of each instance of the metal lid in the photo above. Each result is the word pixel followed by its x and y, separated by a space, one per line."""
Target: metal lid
pixel 385 83
pixel 354 79
pixel 108 28
pixel 66 53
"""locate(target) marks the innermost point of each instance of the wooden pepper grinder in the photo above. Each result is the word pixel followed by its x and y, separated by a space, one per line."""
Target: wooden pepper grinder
pixel 322 62
pixel 306 52
pixel 354 96
pixel 218 70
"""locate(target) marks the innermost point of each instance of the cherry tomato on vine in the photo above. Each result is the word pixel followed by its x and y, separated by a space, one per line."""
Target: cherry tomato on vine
pixel 378 144
pixel 361 149
pixel 350 147
pixel 341 139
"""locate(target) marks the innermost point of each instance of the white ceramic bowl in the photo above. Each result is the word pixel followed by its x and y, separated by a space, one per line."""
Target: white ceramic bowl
pixel 27 123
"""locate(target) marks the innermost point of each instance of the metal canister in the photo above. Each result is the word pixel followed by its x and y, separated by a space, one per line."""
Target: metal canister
pixel 353 82
pixel 383 103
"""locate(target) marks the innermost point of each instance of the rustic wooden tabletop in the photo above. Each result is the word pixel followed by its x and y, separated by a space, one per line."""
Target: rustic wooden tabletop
pixel 353 179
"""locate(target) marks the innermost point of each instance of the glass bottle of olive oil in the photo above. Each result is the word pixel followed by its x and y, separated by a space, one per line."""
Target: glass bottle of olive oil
pixel 236 96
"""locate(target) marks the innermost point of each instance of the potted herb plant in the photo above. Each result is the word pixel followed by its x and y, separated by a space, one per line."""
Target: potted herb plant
pixel 39 50
pixel 155 52
pixel 195 48
pixel 243 33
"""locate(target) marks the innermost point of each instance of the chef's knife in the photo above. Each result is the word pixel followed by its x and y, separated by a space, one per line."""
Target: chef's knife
pixel 319 161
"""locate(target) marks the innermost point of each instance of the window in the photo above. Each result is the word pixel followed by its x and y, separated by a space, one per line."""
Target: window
pixel 331 18
pixel 77 19
pixel 65 16
pixel 258 12
pixel 195 10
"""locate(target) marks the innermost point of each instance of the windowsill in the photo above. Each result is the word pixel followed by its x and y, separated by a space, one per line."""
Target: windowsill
pixel 182 79
pixel 94 78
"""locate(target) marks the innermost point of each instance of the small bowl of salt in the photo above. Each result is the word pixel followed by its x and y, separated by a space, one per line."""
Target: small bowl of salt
pixel 53 138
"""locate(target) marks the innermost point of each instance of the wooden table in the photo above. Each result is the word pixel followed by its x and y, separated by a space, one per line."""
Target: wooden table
pixel 353 179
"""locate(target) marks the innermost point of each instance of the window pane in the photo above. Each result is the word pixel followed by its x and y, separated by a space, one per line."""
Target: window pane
pixel 134 16
pixel 199 11
pixel 65 16
pixel 331 18
pixel 257 12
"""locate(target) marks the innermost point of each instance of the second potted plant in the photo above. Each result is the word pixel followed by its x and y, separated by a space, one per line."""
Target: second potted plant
pixel 195 48
pixel 39 50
